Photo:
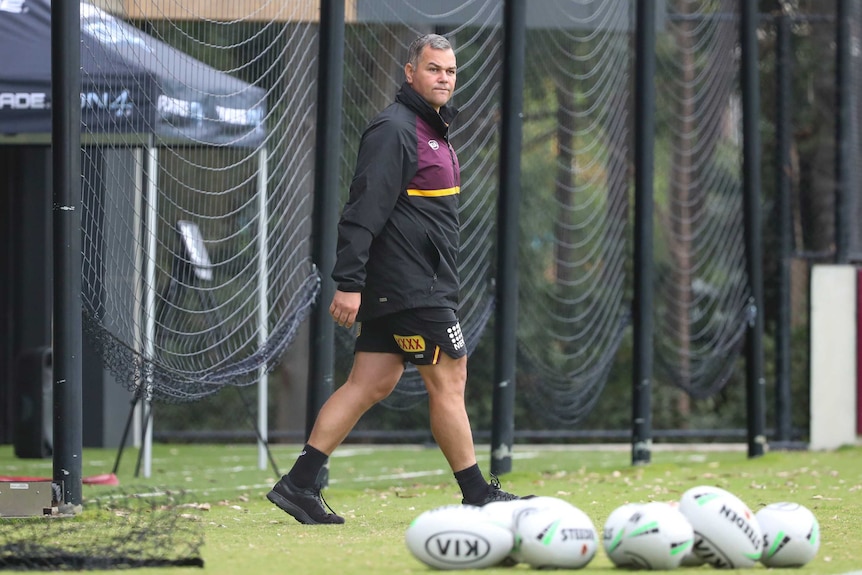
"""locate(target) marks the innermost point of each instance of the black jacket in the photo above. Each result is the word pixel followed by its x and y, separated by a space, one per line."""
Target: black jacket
pixel 399 232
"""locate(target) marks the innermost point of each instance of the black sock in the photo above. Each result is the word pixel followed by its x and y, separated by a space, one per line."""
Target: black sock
pixel 307 466
pixel 473 485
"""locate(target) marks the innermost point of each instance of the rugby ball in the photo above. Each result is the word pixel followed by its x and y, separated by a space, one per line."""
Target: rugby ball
pixel 612 533
pixel 791 534
pixel 508 512
pixel 691 559
pixel 727 535
pixel 458 537
pixel 654 536
pixel 556 538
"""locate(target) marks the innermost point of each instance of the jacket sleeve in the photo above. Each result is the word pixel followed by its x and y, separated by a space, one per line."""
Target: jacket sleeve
pixel 383 169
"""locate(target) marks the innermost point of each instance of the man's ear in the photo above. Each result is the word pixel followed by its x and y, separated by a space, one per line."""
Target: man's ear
pixel 408 72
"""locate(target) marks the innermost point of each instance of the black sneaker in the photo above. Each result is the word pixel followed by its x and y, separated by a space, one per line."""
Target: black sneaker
pixel 306 505
pixel 494 494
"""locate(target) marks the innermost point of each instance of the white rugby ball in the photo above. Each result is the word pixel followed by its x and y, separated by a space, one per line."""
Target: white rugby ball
pixel 556 538
pixel 791 534
pixel 691 559
pixel 458 537
pixel 504 513
pixel 655 536
pixel 613 532
pixel 726 532
pixel 507 512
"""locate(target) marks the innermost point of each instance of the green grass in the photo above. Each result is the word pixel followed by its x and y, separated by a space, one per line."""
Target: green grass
pixel 380 490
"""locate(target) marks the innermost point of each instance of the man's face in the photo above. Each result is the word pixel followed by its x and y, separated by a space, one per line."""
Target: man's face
pixel 434 76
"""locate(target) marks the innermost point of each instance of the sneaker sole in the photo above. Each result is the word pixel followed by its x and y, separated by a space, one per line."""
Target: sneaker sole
pixel 291 509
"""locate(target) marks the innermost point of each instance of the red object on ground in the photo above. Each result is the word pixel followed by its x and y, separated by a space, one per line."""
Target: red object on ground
pixel 101 479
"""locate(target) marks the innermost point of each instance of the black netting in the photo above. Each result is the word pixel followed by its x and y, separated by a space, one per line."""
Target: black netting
pixel 197 196
pixel 120 530
pixel 702 291
pixel 197 203
pixel 572 274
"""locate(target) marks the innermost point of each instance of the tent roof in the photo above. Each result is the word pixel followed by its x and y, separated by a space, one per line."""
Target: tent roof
pixel 131 82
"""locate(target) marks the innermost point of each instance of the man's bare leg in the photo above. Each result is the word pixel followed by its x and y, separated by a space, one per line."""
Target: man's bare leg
pixel 372 378
pixel 446 383
pixel 450 425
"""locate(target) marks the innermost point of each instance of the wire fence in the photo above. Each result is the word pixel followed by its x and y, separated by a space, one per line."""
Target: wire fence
pixel 198 274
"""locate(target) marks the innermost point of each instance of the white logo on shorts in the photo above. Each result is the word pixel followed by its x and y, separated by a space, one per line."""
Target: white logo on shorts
pixel 455 336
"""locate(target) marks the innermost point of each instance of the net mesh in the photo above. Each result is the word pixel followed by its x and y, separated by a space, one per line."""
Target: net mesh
pixel 148 529
pixel 572 274
pixel 702 292
pixel 196 213
pixel 852 163
pixel 198 170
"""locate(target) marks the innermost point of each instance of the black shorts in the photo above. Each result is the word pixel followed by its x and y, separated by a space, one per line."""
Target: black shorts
pixel 417 334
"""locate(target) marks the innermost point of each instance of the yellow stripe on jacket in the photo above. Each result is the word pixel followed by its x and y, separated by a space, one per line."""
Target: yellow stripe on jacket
pixel 435 193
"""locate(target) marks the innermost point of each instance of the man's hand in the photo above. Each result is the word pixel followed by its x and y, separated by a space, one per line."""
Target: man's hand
pixel 344 307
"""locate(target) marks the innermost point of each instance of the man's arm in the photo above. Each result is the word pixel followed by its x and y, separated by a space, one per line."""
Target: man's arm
pixel 382 172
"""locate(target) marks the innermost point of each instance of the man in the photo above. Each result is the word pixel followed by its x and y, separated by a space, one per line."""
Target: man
pixel 396 273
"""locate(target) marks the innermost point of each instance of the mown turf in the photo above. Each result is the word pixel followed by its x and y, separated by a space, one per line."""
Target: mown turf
pixel 380 490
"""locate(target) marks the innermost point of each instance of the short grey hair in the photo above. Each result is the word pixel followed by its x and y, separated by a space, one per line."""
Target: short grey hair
pixel 435 41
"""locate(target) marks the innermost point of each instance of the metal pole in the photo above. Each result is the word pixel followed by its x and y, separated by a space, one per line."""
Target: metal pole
pixel 643 248
pixel 843 130
pixel 755 385
pixel 140 287
pixel 150 307
pixel 785 224
pixel 67 330
pixel 263 305
pixel 505 336
pixel 327 166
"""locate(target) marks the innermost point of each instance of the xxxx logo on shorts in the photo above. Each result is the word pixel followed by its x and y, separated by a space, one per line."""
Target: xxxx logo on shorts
pixel 410 343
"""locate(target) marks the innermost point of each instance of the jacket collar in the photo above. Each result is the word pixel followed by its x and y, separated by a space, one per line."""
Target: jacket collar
pixel 439 121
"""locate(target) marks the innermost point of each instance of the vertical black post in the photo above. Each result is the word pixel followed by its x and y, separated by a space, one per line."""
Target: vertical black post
pixel 66 160
pixel 755 385
pixel 327 167
pixel 783 170
pixel 506 319
pixel 643 248
pixel 843 129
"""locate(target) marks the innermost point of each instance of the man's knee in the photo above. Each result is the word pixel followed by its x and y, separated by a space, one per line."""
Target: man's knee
pixel 375 375
pixel 372 390
pixel 453 364
pixel 446 378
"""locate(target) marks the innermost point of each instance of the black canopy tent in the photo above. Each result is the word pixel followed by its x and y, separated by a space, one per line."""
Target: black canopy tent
pixel 137 95
pixel 131 83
